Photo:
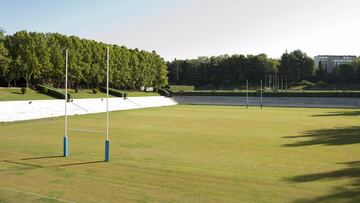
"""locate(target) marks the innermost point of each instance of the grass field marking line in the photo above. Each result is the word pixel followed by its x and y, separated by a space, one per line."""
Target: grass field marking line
pixel 36 194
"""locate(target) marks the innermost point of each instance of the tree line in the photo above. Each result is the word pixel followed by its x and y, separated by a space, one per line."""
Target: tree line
pixel 343 73
pixel 233 70
pixel 32 58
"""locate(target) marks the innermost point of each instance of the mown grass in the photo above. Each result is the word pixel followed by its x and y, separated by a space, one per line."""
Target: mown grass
pixel 187 154
pixel 14 94
pixel 141 94
pixel 86 94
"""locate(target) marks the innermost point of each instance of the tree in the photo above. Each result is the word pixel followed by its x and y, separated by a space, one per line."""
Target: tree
pixel 356 65
pixel 22 49
pixel 57 59
pixel 39 58
pixel 346 73
pixel 42 51
pixel 5 61
pixel 297 66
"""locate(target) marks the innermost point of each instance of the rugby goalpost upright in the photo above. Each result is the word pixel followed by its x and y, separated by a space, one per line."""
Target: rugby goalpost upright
pixel 66 139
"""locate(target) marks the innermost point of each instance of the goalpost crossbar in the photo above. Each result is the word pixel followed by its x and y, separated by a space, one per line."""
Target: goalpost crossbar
pixel 66 139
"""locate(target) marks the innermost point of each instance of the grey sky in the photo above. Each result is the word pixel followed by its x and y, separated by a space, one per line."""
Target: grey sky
pixel 214 27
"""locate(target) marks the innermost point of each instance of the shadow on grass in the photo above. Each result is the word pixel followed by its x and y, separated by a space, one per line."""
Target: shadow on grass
pixel 78 164
pixel 12 92
pixel 42 157
pixel 339 113
pixel 351 171
pixel 21 162
pixel 331 136
pixel 349 193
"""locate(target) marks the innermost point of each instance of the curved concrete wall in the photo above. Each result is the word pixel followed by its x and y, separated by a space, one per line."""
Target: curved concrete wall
pixel 28 110
pixel 272 101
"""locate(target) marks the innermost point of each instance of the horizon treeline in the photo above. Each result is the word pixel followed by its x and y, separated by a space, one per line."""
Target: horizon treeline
pixel 226 70
pixel 39 58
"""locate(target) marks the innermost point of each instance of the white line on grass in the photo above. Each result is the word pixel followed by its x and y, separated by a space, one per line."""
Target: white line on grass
pixel 35 194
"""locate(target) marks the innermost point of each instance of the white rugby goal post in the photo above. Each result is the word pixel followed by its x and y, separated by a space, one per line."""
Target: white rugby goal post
pixel 66 138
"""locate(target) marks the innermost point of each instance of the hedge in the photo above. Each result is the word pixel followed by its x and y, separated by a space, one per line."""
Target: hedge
pixel 113 92
pixel 273 94
pixel 53 92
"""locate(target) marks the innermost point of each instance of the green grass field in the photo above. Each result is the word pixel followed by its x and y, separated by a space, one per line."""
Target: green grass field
pixel 141 94
pixel 187 154
pixel 85 94
pixel 14 94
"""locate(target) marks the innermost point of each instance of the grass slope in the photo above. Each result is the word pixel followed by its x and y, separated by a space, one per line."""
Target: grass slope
pixel 187 154
pixel 14 94
pixel 141 94
pixel 84 94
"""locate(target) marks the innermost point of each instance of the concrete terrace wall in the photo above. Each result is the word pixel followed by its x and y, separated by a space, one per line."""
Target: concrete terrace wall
pixel 271 101
pixel 29 110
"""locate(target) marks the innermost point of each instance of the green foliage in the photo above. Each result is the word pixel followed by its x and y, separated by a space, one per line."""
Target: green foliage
pixel 76 89
pixel 297 66
pixel 40 58
pixel 48 90
pixel 5 61
pixel 346 73
pixel 94 90
pixel 221 70
pixel 23 90
pixel 113 92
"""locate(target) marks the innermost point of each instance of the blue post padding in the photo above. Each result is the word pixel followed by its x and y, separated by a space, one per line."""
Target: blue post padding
pixel 66 146
pixel 107 150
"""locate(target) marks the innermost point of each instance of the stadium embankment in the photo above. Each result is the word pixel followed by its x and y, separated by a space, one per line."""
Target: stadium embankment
pixel 37 109
pixel 315 102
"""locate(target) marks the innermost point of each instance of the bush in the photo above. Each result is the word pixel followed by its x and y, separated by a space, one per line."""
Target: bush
pixel 76 89
pixel 94 91
pixel 125 95
pixel 113 92
pixel 48 90
pixel 23 90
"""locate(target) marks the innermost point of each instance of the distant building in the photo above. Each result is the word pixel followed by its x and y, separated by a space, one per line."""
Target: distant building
pixel 329 62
